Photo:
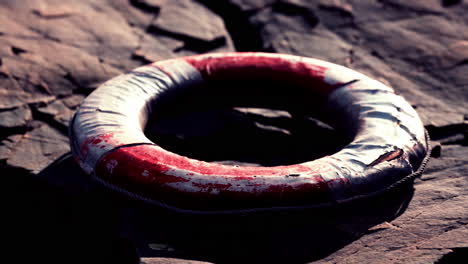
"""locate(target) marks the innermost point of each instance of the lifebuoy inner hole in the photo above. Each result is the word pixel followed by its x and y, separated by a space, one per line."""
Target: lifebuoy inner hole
pixel 245 122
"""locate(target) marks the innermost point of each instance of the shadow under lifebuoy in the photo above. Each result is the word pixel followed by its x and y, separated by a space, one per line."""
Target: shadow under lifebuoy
pixel 60 216
pixel 277 237
pixel 81 221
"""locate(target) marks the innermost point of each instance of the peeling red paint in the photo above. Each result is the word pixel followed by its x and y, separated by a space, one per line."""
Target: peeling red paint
pixel 146 168
pixel 131 168
pixel 242 178
pixel 217 186
pixel 279 189
pixel 163 178
pixel 100 141
pixel 284 68
pixel 339 180
pixel 160 156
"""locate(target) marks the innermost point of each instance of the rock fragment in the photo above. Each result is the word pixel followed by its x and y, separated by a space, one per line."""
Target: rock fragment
pixel 17 117
pixel 34 150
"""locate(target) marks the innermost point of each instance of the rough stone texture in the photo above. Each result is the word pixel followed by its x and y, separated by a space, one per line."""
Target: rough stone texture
pixel 18 117
pixel 436 216
pixel 35 149
pixel 53 53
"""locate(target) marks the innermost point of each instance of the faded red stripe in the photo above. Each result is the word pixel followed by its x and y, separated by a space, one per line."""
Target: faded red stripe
pixel 281 68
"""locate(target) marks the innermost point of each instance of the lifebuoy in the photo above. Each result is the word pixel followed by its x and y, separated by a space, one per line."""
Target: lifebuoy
pixel 389 143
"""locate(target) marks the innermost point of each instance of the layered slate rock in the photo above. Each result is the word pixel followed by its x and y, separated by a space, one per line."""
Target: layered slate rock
pixel 14 118
pixel 35 149
pixel 53 53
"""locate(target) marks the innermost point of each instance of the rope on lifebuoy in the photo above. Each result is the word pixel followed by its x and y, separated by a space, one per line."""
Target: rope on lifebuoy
pixel 389 142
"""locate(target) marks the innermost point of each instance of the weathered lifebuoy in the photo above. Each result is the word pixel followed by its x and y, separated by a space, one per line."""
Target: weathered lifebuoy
pixel 389 142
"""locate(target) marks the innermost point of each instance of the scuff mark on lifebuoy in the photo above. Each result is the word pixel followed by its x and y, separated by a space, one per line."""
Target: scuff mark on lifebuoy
pixel 387 157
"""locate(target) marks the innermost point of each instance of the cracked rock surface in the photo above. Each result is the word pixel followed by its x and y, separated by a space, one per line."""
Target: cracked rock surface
pixel 53 53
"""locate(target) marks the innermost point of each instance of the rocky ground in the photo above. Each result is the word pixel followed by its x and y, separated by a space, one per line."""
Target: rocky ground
pixel 53 53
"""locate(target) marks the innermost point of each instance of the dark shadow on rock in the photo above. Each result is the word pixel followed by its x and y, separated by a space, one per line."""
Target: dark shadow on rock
pixel 59 217
pixel 458 255
pixel 278 237
pixel 450 3
pixel 61 214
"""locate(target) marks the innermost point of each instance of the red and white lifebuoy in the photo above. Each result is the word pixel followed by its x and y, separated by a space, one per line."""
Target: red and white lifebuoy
pixel 389 142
